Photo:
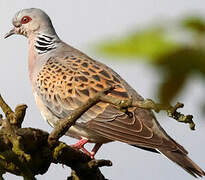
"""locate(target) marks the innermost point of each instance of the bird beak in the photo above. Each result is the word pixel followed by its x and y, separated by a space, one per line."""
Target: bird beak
pixel 13 31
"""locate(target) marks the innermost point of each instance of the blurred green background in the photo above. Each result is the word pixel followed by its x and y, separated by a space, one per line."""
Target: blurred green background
pixel 175 48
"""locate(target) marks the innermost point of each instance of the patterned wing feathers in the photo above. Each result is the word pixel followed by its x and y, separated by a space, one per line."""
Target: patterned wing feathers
pixel 66 83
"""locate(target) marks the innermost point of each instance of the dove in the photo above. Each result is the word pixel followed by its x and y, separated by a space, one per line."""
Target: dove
pixel 64 78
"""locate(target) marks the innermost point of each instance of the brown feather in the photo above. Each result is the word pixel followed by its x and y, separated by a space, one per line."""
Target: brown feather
pixel 184 161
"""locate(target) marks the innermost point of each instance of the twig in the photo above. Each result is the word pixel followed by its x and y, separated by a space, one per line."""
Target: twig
pixel 99 163
pixel 9 126
pixel 5 108
pixel 20 112
pixel 1 119
pixel 64 124
pixel 150 104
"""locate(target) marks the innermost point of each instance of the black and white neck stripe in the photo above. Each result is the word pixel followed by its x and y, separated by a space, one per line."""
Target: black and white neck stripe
pixel 45 43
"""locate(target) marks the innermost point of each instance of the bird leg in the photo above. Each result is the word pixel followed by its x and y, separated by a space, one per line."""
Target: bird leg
pixel 80 143
pixel 95 149
pixel 80 146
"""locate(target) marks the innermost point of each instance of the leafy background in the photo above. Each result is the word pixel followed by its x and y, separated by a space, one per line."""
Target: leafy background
pixel 176 58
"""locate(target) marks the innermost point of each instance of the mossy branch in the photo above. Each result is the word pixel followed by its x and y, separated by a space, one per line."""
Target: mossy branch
pixel 20 157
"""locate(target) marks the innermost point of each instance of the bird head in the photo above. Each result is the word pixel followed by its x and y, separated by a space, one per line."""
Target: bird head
pixel 31 21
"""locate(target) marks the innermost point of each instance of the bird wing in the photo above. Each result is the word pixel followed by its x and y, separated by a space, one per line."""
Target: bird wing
pixel 64 84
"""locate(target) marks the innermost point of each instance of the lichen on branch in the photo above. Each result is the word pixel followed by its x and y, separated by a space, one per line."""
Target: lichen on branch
pixel 20 157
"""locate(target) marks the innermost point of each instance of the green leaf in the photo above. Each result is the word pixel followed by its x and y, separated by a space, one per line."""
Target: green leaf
pixel 148 44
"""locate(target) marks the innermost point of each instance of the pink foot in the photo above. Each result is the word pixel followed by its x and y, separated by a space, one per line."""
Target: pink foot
pixel 80 145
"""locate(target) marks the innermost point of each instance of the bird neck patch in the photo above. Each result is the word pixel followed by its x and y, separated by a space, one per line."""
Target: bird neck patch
pixel 45 43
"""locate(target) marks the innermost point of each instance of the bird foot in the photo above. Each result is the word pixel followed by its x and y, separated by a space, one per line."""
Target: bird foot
pixel 80 146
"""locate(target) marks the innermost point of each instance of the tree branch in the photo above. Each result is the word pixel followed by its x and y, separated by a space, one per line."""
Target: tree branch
pixel 65 123
pixel 150 104
pixel 20 157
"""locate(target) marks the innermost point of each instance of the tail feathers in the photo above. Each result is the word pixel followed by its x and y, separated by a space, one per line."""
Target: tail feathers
pixel 184 161
pixel 146 148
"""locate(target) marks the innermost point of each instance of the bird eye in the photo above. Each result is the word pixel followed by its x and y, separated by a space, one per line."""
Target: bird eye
pixel 25 19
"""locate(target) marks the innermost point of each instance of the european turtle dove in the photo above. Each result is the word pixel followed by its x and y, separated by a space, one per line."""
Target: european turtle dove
pixel 63 78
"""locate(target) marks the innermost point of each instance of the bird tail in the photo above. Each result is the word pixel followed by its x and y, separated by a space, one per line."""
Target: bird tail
pixel 184 161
